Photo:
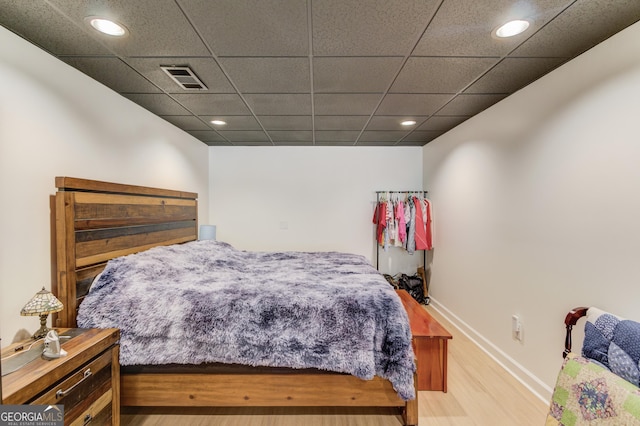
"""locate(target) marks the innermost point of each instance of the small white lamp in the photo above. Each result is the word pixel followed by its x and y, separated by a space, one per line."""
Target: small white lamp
pixel 207 232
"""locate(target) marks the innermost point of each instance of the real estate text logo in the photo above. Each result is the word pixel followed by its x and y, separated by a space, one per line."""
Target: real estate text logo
pixel 31 415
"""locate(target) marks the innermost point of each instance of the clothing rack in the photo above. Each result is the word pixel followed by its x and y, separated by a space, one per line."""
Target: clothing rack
pixel 423 192
pixel 401 192
pixel 415 190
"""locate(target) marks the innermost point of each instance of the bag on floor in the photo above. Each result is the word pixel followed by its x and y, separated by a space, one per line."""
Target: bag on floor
pixel 414 286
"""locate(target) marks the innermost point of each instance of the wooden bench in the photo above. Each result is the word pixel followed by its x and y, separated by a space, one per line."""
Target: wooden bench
pixel 429 344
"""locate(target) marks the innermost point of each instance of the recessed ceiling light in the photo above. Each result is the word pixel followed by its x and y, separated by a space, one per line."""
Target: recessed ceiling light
pixel 218 122
pixel 408 123
pixel 107 26
pixel 512 28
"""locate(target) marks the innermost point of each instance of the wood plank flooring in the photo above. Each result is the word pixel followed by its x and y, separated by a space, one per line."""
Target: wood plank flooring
pixel 480 392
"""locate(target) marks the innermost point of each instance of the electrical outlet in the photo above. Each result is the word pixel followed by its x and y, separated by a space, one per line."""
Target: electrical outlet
pixel 516 327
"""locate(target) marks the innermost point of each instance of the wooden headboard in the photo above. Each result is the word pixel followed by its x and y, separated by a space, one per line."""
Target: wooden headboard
pixel 97 221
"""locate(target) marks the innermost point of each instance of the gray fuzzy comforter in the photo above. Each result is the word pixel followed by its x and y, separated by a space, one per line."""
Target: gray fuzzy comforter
pixel 205 301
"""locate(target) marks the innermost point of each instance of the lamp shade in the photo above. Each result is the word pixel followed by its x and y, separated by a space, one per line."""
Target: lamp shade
pixel 207 232
pixel 42 303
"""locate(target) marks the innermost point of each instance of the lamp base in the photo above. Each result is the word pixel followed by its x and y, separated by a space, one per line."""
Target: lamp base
pixel 43 330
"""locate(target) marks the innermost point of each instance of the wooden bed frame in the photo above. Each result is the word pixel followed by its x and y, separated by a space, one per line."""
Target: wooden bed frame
pixel 97 221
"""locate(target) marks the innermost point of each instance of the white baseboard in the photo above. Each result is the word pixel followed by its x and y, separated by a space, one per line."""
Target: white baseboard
pixel 524 376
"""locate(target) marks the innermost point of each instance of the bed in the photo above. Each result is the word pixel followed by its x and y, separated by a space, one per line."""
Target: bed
pixel 99 221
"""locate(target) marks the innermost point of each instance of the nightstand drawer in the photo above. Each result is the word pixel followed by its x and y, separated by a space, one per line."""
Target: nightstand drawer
pixel 79 389
pixel 98 413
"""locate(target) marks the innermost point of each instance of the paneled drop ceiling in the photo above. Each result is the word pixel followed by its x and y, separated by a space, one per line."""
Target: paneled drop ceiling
pixel 318 72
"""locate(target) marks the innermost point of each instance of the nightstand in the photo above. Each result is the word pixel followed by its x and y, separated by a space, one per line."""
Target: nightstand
pixel 86 381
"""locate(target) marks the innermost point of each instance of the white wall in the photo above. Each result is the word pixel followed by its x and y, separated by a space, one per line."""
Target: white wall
pixel 537 208
pixel 323 196
pixel 55 121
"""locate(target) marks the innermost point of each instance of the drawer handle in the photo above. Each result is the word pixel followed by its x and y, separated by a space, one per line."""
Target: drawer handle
pixel 87 419
pixel 85 376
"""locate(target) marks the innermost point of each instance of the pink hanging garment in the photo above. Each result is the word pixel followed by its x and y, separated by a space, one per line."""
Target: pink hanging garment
pixel 380 219
pixel 429 224
pixel 421 236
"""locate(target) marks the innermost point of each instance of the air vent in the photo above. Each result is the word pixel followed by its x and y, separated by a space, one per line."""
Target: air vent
pixel 184 76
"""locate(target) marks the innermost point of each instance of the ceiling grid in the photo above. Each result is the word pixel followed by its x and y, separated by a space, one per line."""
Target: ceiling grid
pixel 318 72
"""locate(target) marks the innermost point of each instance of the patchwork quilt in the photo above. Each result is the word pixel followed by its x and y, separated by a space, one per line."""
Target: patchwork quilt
pixel 614 342
pixel 586 393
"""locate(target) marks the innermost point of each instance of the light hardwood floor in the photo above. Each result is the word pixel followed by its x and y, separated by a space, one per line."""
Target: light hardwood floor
pixel 479 393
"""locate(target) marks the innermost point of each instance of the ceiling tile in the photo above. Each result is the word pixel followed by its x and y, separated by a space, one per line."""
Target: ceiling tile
pixel 269 75
pixel 244 135
pixel 376 143
pixel 583 25
pixel 212 104
pixel 464 27
pixel 253 143
pixel 336 136
pixel 205 68
pixel 512 74
pixel 412 104
pixel 373 75
pixel 207 135
pixel 422 136
pixel 334 143
pixel 113 73
pixel 157 103
pixel 43 25
pixel 439 75
pixel 374 28
pixel 349 104
pixel 234 122
pixel 470 104
pixel 279 104
pixel 382 136
pixel 383 122
pixel 410 143
pixel 285 122
pixel 293 143
pixel 251 28
pixel 279 136
pixel 156 28
pixel 442 122
pixel 186 122
pixel 340 122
